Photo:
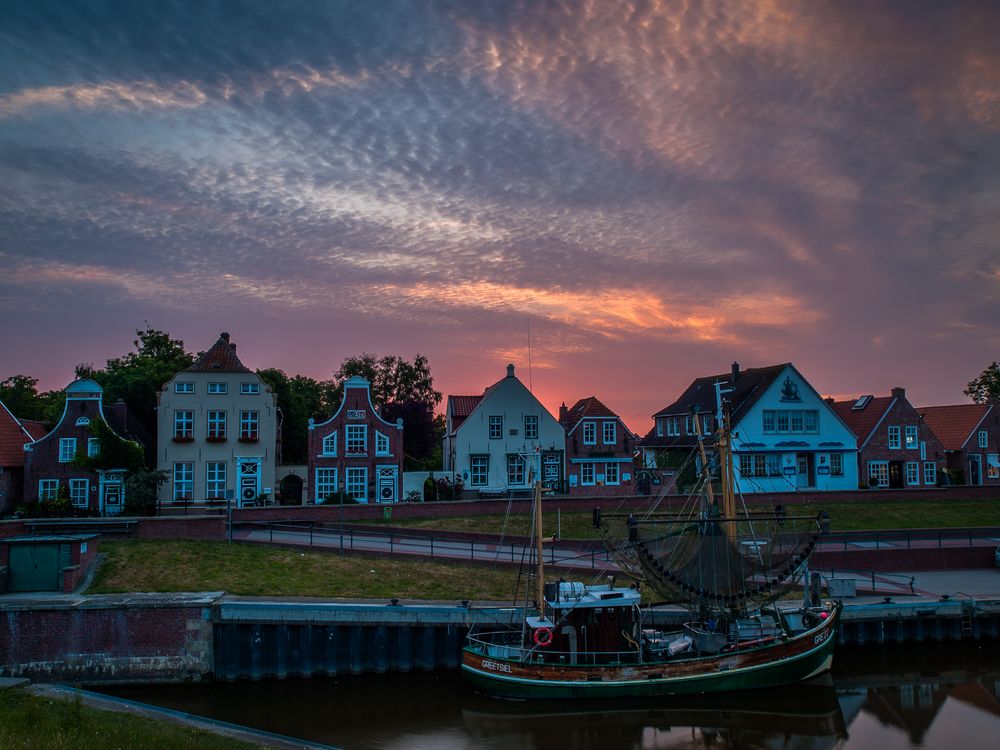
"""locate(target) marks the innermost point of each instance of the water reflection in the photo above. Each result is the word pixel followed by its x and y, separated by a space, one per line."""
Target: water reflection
pixel 878 699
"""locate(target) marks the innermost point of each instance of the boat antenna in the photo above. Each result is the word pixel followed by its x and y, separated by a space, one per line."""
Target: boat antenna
pixel 529 355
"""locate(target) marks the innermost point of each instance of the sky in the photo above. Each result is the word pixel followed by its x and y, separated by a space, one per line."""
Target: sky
pixel 615 196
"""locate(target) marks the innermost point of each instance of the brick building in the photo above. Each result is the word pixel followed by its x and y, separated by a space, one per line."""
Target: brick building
pixel 896 447
pixel 970 435
pixel 599 449
pixel 50 468
pixel 356 451
pixel 14 434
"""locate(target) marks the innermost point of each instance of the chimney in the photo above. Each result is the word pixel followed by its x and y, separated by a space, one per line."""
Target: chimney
pixel 510 371
pixel 736 371
pixel 829 400
pixel 899 393
pixel 563 414
pixel 224 336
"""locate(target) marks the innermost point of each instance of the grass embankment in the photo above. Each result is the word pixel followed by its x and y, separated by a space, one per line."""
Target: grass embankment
pixel 868 516
pixel 28 721
pixel 258 570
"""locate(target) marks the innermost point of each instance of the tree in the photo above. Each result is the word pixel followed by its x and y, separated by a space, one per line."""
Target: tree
pixel 137 376
pixel 299 398
pixel 986 386
pixel 420 435
pixel 392 379
pixel 20 394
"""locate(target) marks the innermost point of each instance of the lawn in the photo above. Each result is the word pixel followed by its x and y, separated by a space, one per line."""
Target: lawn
pixel 868 516
pixel 258 570
pixel 28 721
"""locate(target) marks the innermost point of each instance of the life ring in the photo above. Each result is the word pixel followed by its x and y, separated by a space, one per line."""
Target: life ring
pixel 543 637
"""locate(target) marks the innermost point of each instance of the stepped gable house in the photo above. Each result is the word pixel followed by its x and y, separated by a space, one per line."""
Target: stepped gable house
pixel 14 434
pixel 217 428
pixel 356 451
pixel 599 449
pixel 970 434
pixel 50 466
pixel 896 448
pixel 497 442
pixel 785 436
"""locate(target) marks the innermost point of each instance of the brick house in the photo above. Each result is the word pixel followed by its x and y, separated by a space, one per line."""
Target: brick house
pixel 356 451
pixel 599 449
pixel 785 436
pixel 896 447
pixel 497 442
pixel 970 435
pixel 14 434
pixel 217 431
pixel 49 462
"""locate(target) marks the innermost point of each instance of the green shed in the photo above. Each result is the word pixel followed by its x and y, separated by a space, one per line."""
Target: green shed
pixel 37 563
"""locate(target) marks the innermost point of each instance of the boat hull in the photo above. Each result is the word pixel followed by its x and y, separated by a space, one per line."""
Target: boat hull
pixel 793 660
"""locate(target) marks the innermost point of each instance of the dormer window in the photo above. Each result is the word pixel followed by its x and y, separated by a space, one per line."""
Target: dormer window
pixel 381 444
pixel 218 389
pixel 330 445
pixel 609 433
pixel 183 387
pixel 589 433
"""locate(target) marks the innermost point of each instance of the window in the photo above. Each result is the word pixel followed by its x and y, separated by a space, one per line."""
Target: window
pixel 249 426
pixel 894 436
pixel 215 479
pixel 611 474
pixel 930 473
pixel 746 465
pixel 661 427
pixel 673 426
pixel 217 425
pixel 93 447
pixel 587 474
pixel 48 489
pixel 183 481
pixel 913 472
pixel 984 439
pixel 326 483
pixel 781 421
pixel 923 450
pixel 837 464
pixel 78 489
pixel 329 447
pixel 184 424
pixel 687 425
pixel 515 469
pixel 778 421
pixel 249 389
pixel 357 482
pixel 381 444
pixel 911 437
pixel 769 420
pixel 608 433
pixel 496 428
pixel 774 464
pixel 589 433
pixel 706 424
pixel 879 471
pixel 67 450
pixel 357 439
pixel 183 387
pixel 479 470
pixel 810 420
pixel 795 422
pixel 218 388
pixel 760 465
pixel 531 427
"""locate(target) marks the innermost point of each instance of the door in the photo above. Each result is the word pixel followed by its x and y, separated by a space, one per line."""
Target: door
pixel 552 470
pixel 249 474
pixel 805 470
pixel 388 481
pixel 291 490
pixel 975 468
pixel 895 474
pixel 34 567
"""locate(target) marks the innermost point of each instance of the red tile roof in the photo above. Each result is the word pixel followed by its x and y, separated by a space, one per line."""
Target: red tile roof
pixel 586 407
pixel 862 421
pixel 36 429
pixel 954 425
pixel 463 406
pixel 13 436
pixel 221 357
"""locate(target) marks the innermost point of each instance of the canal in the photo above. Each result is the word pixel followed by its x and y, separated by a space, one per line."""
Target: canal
pixel 879 698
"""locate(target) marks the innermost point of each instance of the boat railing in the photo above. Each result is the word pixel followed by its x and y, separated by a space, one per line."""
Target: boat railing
pixel 507 645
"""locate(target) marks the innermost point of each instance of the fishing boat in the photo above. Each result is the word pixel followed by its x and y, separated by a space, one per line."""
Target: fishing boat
pixel 730 569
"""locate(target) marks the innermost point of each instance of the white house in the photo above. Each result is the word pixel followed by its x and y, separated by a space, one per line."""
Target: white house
pixel 498 442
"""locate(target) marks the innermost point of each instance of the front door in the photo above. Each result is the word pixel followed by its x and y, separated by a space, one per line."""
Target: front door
pixel 112 493
pixel 388 481
pixel 552 470
pixel 896 474
pixel 975 468
pixel 249 474
pixel 804 470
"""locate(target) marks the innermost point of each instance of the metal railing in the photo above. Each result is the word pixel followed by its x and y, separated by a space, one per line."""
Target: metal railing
pixel 912 537
pixel 501 644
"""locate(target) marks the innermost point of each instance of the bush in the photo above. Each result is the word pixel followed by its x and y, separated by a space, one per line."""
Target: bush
pixel 339 498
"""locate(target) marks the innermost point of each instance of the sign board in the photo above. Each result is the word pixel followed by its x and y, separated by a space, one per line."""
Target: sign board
pixel 356 413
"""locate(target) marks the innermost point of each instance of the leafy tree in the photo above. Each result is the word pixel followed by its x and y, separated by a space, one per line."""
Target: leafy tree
pixel 419 431
pixel 299 398
pixel 136 377
pixel 141 490
pixel 392 379
pixel 20 394
pixel 986 386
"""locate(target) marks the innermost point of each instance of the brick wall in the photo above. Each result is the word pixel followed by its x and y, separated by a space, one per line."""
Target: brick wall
pixel 169 527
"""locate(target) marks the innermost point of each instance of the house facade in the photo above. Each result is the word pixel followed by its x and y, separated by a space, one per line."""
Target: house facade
pixel 356 451
pixel 14 434
pixel 970 435
pixel 599 449
pixel 51 466
pixel 500 441
pixel 896 447
pixel 217 429
pixel 786 438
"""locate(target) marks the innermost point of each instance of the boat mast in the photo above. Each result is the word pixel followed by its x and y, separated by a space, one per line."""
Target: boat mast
pixel 540 562
pixel 705 470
